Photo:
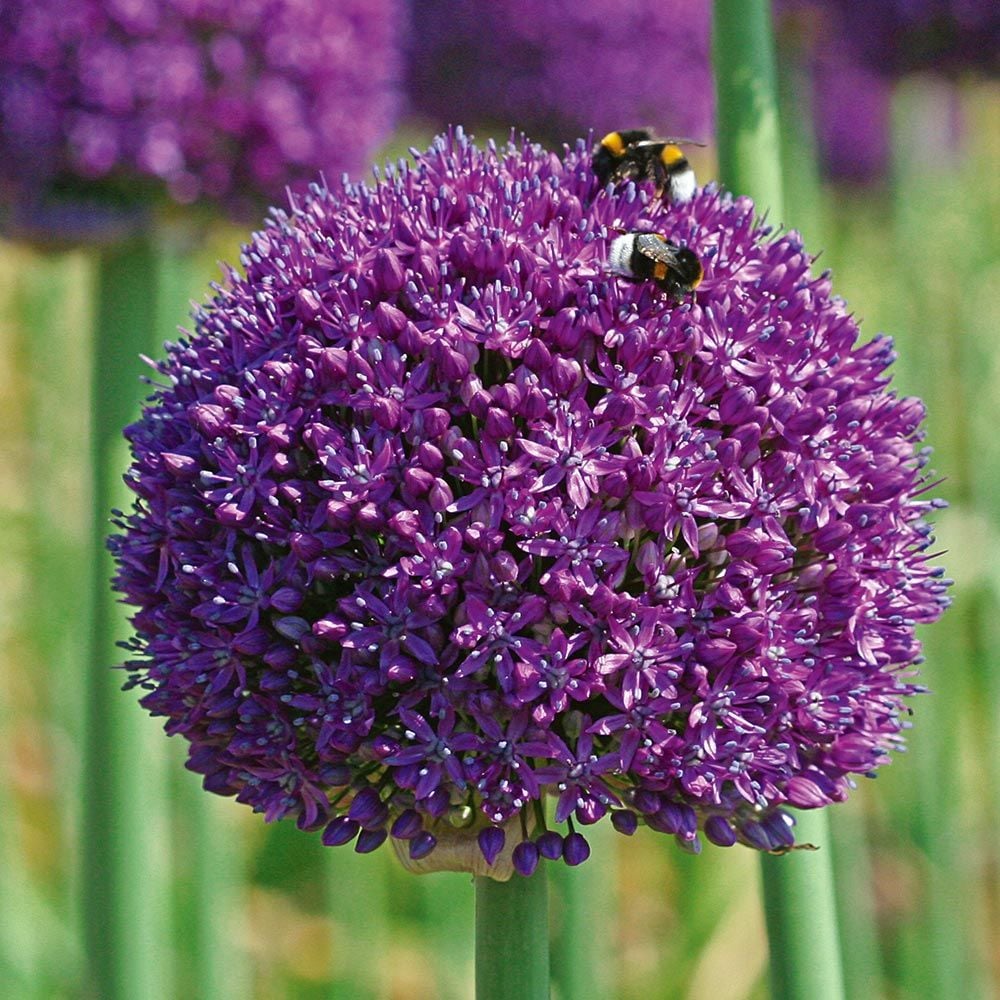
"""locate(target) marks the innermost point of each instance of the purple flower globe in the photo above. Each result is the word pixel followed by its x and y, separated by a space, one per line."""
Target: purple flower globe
pixel 437 517
pixel 203 99
pixel 557 67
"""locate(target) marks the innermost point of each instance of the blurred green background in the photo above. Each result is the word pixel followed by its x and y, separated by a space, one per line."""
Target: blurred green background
pixel 917 852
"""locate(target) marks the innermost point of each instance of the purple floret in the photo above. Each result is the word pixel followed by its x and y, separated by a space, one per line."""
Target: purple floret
pixel 558 68
pixel 207 100
pixel 436 517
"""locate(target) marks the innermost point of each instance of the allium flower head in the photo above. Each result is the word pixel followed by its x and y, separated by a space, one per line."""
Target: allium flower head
pixel 436 517
pixel 208 99
pixel 558 67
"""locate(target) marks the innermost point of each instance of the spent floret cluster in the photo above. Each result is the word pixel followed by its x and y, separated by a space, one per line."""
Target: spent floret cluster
pixel 201 99
pixel 437 518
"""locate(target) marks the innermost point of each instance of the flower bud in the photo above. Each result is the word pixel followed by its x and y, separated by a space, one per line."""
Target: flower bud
pixel 340 831
pixel 576 850
pixel 719 832
pixel 550 845
pixel 525 858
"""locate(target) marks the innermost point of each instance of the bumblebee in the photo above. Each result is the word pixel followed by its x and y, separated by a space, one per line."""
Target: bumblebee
pixel 609 159
pixel 651 257
pixel 636 155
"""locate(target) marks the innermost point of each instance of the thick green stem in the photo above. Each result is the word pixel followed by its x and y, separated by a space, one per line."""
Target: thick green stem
pixel 798 888
pixel 747 108
pixel 801 917
pixel 583 917
pixel 125 856
pixel 512 938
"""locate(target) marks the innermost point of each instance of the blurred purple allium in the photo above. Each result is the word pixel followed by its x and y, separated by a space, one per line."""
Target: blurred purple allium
pixel 856 49
pixel 558 68
pixel 852 113
pixel 206 99
pixel 901 36
pixel 436 517
pixel 892 37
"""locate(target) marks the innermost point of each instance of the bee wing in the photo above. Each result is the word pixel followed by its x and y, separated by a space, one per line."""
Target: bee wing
pixel 655 247
pixel 658 144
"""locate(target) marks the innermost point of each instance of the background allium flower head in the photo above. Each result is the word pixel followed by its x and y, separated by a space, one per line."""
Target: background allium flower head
pixel 558 67
pixel 851 105
pixel 855 52
pixel 901 36
pixel 207 99
pixel 436 516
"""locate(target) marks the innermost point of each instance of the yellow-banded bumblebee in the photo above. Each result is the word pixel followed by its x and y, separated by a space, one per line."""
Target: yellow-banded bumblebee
pixel 634 155
pixel 652 257
pixel 609 154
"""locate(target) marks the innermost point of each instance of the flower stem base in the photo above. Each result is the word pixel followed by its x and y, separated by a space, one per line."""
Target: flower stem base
pixel 801 917
pixel 512 938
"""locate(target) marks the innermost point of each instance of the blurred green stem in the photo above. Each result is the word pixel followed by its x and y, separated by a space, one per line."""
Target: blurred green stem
pixel 805 201
pixel 124 854
pixel 798 888
pixel 447 916
pixel 215 972
pixel 747 109
pixel 53 350
pixel 358 904
pixel 583 912
pixel 512 938
pixel 940 954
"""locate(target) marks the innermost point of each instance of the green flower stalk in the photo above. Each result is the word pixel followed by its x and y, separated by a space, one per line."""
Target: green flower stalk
pixel 799 899
pixel 222 105
pixel 747 128
pixel 125 857
pixel 55 423
pixel 512 938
